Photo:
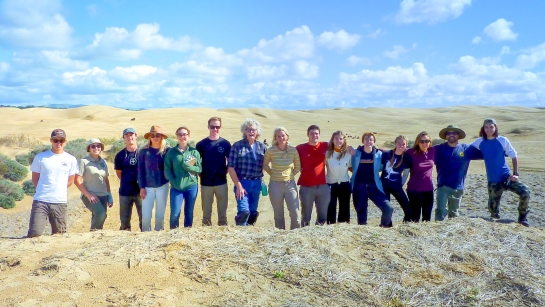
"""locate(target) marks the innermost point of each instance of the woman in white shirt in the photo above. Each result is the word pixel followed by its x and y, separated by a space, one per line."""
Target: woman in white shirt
pixel 338 163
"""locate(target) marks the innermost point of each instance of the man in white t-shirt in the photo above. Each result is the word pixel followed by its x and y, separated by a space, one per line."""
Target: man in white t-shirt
pixel 53 172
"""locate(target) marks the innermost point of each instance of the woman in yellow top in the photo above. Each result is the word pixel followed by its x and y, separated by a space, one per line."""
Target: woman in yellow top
pixel 282 162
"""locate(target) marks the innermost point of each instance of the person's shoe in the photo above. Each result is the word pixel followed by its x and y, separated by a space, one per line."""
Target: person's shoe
pixel 523 220
pixel 495 215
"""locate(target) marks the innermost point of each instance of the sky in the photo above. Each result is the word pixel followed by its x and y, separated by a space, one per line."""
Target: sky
pixel 272 54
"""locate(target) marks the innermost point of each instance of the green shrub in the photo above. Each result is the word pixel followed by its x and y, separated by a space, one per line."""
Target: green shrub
pixel 28 188
pixel 77 148
pixel 7 202
pixel 109 141
pixel 11 169
pixel 437 141
pixel 172 142
pixel 23 159
pixel 12 189
pixel 32 154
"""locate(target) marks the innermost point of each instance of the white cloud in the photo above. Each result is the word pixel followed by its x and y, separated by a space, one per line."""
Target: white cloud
pixel 476 40
pixel 94 78
pixel 396 51
pixel 146 37
pixel 133 73
pixel 430 11
pixel 354 60
pixel 376 33
pixel 339 40
pixel 500 30
pixel 219 56
pixel 531 57
pixel 34 25
pixel 61 60
pixel 205 70
pixel 266 72
pixel 306 70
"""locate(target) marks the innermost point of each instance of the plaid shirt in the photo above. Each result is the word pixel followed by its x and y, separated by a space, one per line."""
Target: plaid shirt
pixel 241 158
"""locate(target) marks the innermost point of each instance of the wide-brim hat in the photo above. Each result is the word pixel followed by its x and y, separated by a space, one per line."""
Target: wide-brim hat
pixel 443 132
pixel 94 141
pixel 156 129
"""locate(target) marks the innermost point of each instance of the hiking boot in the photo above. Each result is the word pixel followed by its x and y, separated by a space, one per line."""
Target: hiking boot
pixel 523 220
pixel 495 215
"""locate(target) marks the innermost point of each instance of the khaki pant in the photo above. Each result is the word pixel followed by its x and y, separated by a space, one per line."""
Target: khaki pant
pixel 40 212
pixel 207 199
pixel 280 191
pixel 319 194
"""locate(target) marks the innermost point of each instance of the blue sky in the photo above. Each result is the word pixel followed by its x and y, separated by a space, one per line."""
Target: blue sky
pixel 272 54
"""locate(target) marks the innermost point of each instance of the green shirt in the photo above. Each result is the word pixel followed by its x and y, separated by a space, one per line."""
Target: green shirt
pixel 178 169
pixel 93 173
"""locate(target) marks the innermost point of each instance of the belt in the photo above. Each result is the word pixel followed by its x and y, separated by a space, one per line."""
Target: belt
pixel 251 178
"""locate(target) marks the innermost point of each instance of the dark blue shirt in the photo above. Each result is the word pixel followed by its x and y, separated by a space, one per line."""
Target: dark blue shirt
pixel 214 164
pixel 127 162
pixel 151 168
pixel 365 173
pixel 452 164
pixel 392 173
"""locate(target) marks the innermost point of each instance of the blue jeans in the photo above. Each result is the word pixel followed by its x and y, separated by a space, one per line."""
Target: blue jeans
pixel 176 199
pixel 158 196
pixel 448 203
pixel 361 195
pixel 247 206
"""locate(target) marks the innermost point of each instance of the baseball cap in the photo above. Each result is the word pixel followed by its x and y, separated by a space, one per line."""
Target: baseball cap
pixel 128 130
pixel 58 133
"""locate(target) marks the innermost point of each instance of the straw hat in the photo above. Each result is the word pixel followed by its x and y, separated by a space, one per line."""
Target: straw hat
pixel 443 132
pixel 155 129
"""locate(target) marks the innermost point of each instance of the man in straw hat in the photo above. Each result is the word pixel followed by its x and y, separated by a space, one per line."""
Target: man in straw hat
pixel 452 161
pixel 53 172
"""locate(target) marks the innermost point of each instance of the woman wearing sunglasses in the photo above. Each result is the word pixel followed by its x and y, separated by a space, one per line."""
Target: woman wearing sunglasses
pixel 151 178
pixel 420 186
pixel 182 166
pixel 92 181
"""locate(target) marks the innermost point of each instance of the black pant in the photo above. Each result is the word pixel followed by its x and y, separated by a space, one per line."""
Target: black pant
pixel 340 191
pixel 395 189
pixel 421 202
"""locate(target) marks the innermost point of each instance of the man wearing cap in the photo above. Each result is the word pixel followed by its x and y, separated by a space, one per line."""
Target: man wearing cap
pixel 495 148
pixel 53 172
pixel 452 162
pixel 126 169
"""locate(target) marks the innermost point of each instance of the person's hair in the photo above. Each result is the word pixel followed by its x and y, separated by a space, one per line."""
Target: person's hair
pixel 366 134
pixel 162 148
pixel 250 122
pixel 331 145
pixel 312 127
pixel 416 147
pixel 483 134
pixel 214 118
pixel 278 129
pixel 399 137
pixel 185 128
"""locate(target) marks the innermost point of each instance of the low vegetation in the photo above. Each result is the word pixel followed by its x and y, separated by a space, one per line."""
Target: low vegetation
pixel 19 141
pixel 9 188
pixel 28 188
pixel 7 202
pixel 11 169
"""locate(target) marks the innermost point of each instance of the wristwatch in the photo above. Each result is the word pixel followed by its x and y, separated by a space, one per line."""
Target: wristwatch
pixel 515 173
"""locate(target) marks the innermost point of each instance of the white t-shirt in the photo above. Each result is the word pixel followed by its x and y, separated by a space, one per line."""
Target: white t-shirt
pixel 54 170
pixel 337 170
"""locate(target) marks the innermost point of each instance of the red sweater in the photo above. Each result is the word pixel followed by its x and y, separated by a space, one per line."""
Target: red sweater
pixel 312 164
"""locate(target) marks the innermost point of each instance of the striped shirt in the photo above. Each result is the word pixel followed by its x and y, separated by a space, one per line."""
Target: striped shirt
pixel 242 159
pixel 284 164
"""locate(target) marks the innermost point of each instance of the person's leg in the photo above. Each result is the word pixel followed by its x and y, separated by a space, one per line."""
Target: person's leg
pixel 343 194
pixel 38 218
pixel 523 191
pixel 292 202
pixel 98 211
pixel 442 199
pixel 332 208
pixel 176 199
pixel 360 199
pixel 427 205
pixel 306 194
pixel 207 199
pixel 495 191
pixel 160 206
pixel 454 201
pixel 243 205
pixel 190 196
pixel 383 204
pixel 138 204
pixel 415 201
pixel 147 209
pixel 125 212
pixel 322 200
pixel 276 195
pixel 222 201
pixel 399 194
pixel 253 200
pixel 57 218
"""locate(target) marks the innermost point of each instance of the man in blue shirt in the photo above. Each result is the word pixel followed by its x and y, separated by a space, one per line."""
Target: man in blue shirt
pixel 452 162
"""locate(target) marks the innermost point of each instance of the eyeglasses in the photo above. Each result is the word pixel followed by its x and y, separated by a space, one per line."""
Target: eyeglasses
pixel 58 141
pixel 250 130
pixel 155 135
pixel 95 146
pixel 214 127
pixel 451 133
pixel 424 141
pixel 182 134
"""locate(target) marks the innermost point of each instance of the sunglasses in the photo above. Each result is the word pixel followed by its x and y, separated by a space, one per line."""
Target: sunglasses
pixel 424 141
pixel 451 133
pixel 215 127
pixel 182 134
pixel 250 130
pixel 58 141
pixel 155 135
pixel 95 146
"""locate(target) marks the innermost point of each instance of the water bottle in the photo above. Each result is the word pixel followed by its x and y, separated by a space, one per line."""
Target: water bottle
pixel 264 191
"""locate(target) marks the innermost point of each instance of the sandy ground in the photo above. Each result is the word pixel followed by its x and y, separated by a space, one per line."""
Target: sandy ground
pixel 525 127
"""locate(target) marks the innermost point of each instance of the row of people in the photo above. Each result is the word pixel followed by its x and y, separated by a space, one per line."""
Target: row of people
pixel 324 183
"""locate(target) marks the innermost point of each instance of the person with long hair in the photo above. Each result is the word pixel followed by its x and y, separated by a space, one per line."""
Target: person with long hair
pixel 151 178
pixel 182 167
pixel 282 164
pixel 366 183
pixel 396 165
pixel 420 185
pixel 495 148
pixel 92 180
pixel 338 162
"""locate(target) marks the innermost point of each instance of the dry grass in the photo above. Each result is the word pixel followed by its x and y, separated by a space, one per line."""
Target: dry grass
pixel 19 141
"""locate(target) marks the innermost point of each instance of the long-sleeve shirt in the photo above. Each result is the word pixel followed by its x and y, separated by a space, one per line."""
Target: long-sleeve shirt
pixel 422 170
pixel 284 164
pixel 246 164
pixel 178 168
pixel 494 153
pixel 151 168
